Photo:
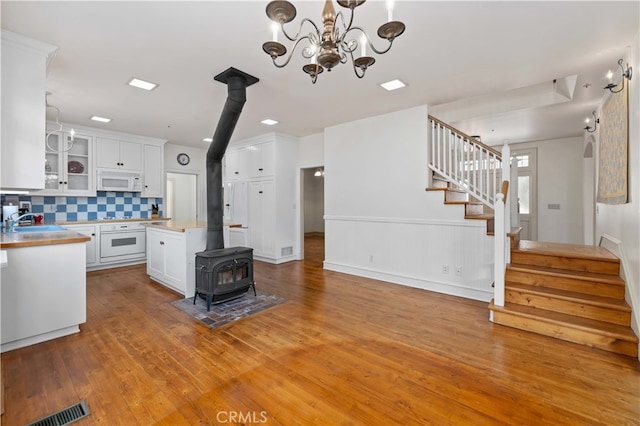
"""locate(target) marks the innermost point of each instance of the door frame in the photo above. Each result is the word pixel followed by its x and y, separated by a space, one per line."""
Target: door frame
pixel 199 192
pixel 300 202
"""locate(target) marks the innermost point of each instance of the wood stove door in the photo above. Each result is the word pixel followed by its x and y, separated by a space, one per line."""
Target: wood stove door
pixel 231 275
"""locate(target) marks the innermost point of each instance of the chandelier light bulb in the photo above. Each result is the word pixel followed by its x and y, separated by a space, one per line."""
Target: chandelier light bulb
pixel 363 45
pixel 274 31
pixel 609 75
pixel 389 10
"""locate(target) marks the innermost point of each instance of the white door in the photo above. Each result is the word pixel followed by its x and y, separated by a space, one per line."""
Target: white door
pixel 526 161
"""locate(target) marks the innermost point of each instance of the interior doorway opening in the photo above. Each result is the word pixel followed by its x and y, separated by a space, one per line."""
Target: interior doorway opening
pixel 182 197
pixel 312 213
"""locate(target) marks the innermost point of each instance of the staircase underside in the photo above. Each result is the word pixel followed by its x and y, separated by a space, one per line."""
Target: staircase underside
pixel 569 292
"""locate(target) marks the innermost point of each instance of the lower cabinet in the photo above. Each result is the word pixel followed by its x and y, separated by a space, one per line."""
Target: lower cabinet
pixel 171 257
pixel 92 246
pixel 262 218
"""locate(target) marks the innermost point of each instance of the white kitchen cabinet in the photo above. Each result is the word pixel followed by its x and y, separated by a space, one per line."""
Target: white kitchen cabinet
pixel 68 166
pixel 153 171
pixel 262 218
pixel 23 87
pixel 171 257
pixel 262 159
pixel 118 155
pixel 269 162
pixel 236 161
pixel 44 294
pixel 250 162
pixel 92 245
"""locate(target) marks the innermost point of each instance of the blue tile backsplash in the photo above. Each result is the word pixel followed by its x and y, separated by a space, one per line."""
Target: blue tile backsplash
pixel 106 204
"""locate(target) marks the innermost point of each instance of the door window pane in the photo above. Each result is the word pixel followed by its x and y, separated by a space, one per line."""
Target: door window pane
pixel 523 194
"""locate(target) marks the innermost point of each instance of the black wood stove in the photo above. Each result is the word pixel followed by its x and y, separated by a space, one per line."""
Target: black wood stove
pixel 224 274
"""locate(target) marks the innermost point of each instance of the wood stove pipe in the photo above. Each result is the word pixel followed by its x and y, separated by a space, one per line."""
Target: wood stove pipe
pixel 237 82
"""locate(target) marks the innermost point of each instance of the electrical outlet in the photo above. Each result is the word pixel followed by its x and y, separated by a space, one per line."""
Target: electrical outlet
pixel 371 258
pixel 459 270
pixel 445 269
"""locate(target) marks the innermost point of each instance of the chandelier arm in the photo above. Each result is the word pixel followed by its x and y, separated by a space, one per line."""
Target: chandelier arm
pixel 369 42
pixel 299 29
pixel 355 69
pixel 290 53
pixel 346 28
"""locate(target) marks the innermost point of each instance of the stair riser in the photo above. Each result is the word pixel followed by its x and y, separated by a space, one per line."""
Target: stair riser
pixel 566 333
pixel 570 307
pixel 437 183
pixel 455 196
pixel 568 263
pixel 566 283
pixel 471 209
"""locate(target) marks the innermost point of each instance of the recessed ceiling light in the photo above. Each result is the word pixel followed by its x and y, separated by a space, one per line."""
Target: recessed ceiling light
pixel 269 122
pixel 393 85
pixel 207 140
pixel 100 119
pixel 141 84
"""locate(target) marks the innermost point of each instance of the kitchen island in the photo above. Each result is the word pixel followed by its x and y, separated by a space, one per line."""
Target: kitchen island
pixel 171 249
pixel 43 287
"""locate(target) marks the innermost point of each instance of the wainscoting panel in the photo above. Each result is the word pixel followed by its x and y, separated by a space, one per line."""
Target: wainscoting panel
pixel 447 256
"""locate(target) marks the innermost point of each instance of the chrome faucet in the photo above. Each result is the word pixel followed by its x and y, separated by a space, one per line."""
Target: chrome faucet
pixel 11 223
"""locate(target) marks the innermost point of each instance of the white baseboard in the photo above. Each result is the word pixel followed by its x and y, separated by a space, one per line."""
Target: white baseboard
pixel 438 287
pixel 21 343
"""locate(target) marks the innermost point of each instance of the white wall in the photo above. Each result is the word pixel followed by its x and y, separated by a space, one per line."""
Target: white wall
pixel 311 150
pixel 197 166
pixel 623 221
pixel 381 223
pixel 559 182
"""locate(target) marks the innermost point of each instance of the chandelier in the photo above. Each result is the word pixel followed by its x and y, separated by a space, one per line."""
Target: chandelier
pixel 335 44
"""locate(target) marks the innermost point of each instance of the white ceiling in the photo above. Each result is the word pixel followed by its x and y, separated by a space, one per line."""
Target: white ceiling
pixel 450 53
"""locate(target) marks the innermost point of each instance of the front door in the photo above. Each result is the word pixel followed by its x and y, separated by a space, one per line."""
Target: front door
pixel 526 160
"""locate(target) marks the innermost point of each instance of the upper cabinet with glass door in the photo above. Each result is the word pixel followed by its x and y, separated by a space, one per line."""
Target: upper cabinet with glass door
pixel 69 164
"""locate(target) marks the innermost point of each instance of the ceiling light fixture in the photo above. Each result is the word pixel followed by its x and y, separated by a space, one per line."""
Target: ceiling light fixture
pixel 625 74
pixel 68 141
pixel 141 84
pixel 332 45
pixel 319 172
pixel 596 121
pixel 269 122
pixel 100 119
pixel 392 85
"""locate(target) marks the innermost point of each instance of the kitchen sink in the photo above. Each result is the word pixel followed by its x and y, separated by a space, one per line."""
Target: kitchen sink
pixel 39 228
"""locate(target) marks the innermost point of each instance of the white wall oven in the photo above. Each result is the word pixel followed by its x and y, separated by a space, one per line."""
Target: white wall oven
pixel 122 242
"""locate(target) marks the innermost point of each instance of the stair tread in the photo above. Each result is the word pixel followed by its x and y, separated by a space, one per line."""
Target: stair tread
pixel 456 202
pixel 587 299
pixel 566 250
pixel 583 275
pixel 620 332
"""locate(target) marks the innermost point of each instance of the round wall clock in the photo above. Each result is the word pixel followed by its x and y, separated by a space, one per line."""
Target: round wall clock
pixel 183 159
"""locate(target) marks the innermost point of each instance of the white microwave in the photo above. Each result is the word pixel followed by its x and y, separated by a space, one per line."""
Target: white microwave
pixel 119 181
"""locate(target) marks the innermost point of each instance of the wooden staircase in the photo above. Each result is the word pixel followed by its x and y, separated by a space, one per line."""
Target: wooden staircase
pixel 473 210
pixel 569 292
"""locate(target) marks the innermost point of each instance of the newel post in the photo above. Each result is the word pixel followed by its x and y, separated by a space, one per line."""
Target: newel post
pixel 506 176
pixel 499 251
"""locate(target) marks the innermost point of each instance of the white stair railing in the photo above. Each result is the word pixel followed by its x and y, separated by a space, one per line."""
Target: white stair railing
pixel 463 160
pixel 480 171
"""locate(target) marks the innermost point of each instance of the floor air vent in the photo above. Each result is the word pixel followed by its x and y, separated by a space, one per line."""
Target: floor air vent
pixel 64 417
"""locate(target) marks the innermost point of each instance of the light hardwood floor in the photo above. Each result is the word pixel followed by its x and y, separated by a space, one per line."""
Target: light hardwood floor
pixel 341 350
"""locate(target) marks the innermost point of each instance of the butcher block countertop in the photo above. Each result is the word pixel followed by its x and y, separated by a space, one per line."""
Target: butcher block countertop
pixel 30 239
pixel 177 226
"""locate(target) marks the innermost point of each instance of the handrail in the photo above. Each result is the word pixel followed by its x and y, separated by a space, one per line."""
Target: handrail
pixel 505 190
pixel 464 135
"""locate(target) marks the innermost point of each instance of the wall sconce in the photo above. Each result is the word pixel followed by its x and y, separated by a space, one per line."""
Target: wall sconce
pixel 625 74
pixel 596 121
